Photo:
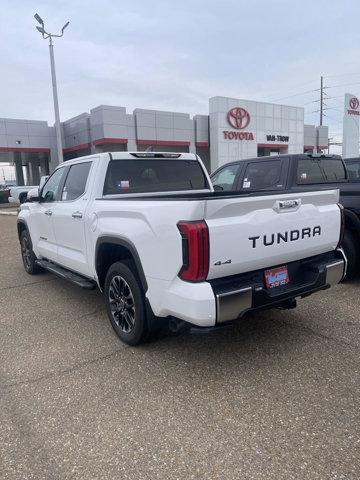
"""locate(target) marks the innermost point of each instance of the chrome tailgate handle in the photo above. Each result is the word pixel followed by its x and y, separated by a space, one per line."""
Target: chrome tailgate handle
pixel 289 205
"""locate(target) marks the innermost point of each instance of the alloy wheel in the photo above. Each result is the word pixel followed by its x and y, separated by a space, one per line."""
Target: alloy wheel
pixel 122 304
pixel 26 252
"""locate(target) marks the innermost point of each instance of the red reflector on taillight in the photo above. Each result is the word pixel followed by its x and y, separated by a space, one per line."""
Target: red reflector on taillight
pixel 342 224
pixel 195 237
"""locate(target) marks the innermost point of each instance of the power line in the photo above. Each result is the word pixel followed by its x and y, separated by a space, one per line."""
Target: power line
pixel 333 119
pixel 274 92
pixel 314 101
pixel 343 85
pixel 342 75
pixel 321 89
pixel 295 95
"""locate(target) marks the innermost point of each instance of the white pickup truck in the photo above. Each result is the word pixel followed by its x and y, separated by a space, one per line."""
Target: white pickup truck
pixel 151 233
pixel 18 194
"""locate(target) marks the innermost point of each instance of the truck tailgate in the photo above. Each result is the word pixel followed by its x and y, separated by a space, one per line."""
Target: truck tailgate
pixel 250 233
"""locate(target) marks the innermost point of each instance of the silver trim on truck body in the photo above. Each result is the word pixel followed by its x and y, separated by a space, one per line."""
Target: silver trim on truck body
pixel 335 272
pixel 231 305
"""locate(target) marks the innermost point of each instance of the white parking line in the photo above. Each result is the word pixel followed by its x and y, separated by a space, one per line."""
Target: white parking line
pixel 4 212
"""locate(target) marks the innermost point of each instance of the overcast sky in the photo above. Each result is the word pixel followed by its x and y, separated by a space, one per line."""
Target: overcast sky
pixel 174 55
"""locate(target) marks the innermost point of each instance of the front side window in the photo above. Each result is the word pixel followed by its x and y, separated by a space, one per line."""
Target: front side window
pixel 153 175
pixel 263 175
pixel 75 182
pixel 51 189
pixel 224 179
pixel 320 170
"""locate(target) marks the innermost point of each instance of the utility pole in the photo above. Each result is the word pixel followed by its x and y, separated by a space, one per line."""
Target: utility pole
pixel 50 36
pixel 321 99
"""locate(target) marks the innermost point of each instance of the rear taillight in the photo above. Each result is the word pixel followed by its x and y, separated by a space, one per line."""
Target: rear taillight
pixel 342 225
pixel 195 243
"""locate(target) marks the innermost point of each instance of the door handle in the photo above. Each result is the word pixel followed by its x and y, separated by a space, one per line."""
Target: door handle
pixel 48 212
pixel 77 215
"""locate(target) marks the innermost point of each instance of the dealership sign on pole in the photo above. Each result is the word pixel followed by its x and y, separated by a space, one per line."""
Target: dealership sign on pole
pixel 350 146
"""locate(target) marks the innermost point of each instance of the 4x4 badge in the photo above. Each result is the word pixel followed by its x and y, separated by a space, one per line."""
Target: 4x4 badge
pixel 218 263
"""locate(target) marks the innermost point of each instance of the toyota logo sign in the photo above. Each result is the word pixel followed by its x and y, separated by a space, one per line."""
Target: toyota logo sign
pixel 354 103
pixel 238 117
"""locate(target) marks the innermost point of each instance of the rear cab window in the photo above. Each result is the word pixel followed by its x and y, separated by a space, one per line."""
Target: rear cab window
pixel 320 170
pixel 153 175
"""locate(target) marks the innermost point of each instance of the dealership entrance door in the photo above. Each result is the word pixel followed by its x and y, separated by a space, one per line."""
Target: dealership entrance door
pixel 264 150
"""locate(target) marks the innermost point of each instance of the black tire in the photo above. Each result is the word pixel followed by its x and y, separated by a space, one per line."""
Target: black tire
pixel 350 245
pixel 125 303
pixel 28 255
pixel 22 197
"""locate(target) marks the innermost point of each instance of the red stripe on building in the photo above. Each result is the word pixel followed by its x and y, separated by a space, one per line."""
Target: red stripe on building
pixel 201 144
pixel 273 145
pixel 25 150
pixel 75 148
pixel 164 143
pixel 311 147
pixel 102 141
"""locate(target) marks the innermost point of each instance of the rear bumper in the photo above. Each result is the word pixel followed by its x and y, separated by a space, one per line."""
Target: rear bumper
pixel 238 294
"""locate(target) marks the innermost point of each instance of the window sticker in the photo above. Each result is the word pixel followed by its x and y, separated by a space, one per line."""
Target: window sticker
pixel 64 196
pixel 246 183
pixel 123 184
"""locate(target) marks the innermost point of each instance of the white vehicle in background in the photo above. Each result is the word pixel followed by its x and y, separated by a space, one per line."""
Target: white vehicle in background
pixel 19 194
pixel 150 231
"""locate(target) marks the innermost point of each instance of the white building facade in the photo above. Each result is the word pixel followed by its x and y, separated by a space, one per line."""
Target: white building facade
pixel 234 129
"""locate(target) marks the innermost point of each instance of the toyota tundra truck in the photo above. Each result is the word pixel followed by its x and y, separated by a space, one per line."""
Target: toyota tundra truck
pixel 151 233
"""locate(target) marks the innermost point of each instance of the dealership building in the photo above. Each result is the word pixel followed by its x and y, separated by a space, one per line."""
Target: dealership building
pixel 235 129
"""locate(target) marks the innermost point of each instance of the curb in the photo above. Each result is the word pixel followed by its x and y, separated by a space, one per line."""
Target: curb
pixel 3 212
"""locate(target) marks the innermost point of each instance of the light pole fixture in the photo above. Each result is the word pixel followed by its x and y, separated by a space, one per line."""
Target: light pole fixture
pixel 46 35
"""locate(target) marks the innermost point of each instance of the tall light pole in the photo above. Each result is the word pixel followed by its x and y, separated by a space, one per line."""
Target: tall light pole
pixel 50 36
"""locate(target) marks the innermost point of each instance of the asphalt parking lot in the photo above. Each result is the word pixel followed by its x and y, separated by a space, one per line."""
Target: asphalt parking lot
pixel 274 397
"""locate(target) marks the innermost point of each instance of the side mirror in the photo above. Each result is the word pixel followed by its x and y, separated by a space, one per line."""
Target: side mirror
pixel 43 180
pixel 217 188
pixel 33 195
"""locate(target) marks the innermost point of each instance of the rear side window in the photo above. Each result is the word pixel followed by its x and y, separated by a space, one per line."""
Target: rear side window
pixel 265 175
pixel 224 178
pixel 153 175
pixel 353 171
pixel 320 170
pixel 75 182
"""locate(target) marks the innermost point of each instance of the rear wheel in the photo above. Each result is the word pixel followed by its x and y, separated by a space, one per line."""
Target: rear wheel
pixel 125 303
pixel 350 245
pixel 28 255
